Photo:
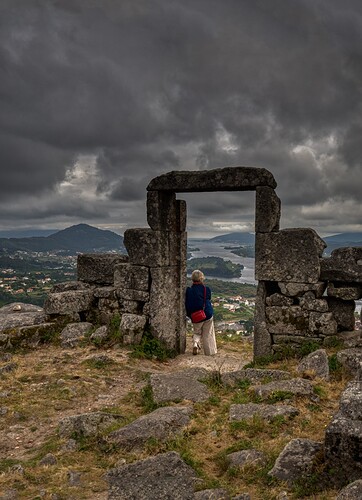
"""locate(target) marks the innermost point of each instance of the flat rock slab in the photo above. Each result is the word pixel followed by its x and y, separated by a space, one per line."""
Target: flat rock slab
pixel 351 492
pixel 315 365
pixel 295 386
pixel 254 375
pixel 246 457
pixel 218 179
pixel 160 424
pixel 180 385
pixel 296 460
pixel 18 314
pixel 163 477
pixel 267 412
pixel 87 424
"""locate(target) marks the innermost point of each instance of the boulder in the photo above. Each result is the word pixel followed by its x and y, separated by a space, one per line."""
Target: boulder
pixel 344 264
pixel 165 476
pixel 100 334
pixel 343 448
pixel 288 255
pixel 70 286
pixel 218 179
pixel 296 460
pixel 87 424
pixel 315 365
pixel 132 328
pixel 350 359
pixel 247 411
pixel 74 334
pixel 310 303
pixel 161 424
pixel 184 385
pixel 17 315
pixel 351 492
pixel 350 404
pixel 98 268
pixel 294 386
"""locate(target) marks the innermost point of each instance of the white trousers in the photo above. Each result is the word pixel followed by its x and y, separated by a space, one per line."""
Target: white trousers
pixel 204 333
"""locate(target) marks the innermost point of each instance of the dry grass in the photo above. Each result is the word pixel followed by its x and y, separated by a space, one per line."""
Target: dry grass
pixel 51 383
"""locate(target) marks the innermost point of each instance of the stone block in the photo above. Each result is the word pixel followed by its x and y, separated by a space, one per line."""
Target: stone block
pixel 287 320
pixel 147 248
pixel 344 264
pixel 322 323
pixel 132 328
pixel 127 294
pixel 267 210
pixel 344 291
pixel 98 268
pixel 69 302
pixel 291 289
pixel 105 292
pixel 295 340
pixel 343 448
pixel 262 339
pixel 277 299
pixel 131 307
pixel 218 179
pixel 178 249
pixel 165 306
pixel 130 276
pixel 343 313
pixel 108 304
pixel 164 212
pixel 288 255
pixel 308 302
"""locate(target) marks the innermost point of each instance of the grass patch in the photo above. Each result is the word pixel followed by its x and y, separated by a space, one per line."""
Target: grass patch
pixel 151 348
pixel 277 396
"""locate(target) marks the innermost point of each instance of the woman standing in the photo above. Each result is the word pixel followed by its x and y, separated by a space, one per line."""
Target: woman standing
pixel 198 297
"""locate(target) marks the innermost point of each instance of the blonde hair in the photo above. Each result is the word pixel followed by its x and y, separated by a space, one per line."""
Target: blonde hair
pixel 197 275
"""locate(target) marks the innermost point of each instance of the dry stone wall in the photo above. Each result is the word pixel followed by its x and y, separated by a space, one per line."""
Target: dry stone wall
pixel 301 296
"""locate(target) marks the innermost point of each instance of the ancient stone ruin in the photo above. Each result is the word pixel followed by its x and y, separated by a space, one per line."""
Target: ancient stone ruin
pixel 302 296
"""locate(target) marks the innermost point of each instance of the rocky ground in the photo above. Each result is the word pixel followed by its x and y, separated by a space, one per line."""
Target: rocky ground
pixel 79 421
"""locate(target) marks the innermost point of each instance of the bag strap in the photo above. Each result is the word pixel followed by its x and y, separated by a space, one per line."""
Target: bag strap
pixel 204 298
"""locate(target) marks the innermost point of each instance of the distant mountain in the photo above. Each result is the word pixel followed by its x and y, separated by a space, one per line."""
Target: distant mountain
pixel 79 238
pixel 237 238
pixel 342 240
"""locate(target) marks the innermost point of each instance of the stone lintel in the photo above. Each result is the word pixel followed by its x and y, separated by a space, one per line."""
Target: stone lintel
pixel 219 179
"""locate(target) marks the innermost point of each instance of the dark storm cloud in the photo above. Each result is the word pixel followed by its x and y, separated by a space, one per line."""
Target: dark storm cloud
pixel 147 87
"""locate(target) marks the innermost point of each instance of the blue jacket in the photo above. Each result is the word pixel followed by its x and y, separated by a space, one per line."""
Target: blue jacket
pixel 195 300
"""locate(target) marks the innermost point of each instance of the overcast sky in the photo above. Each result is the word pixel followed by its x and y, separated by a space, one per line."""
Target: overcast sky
pixel 99 97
